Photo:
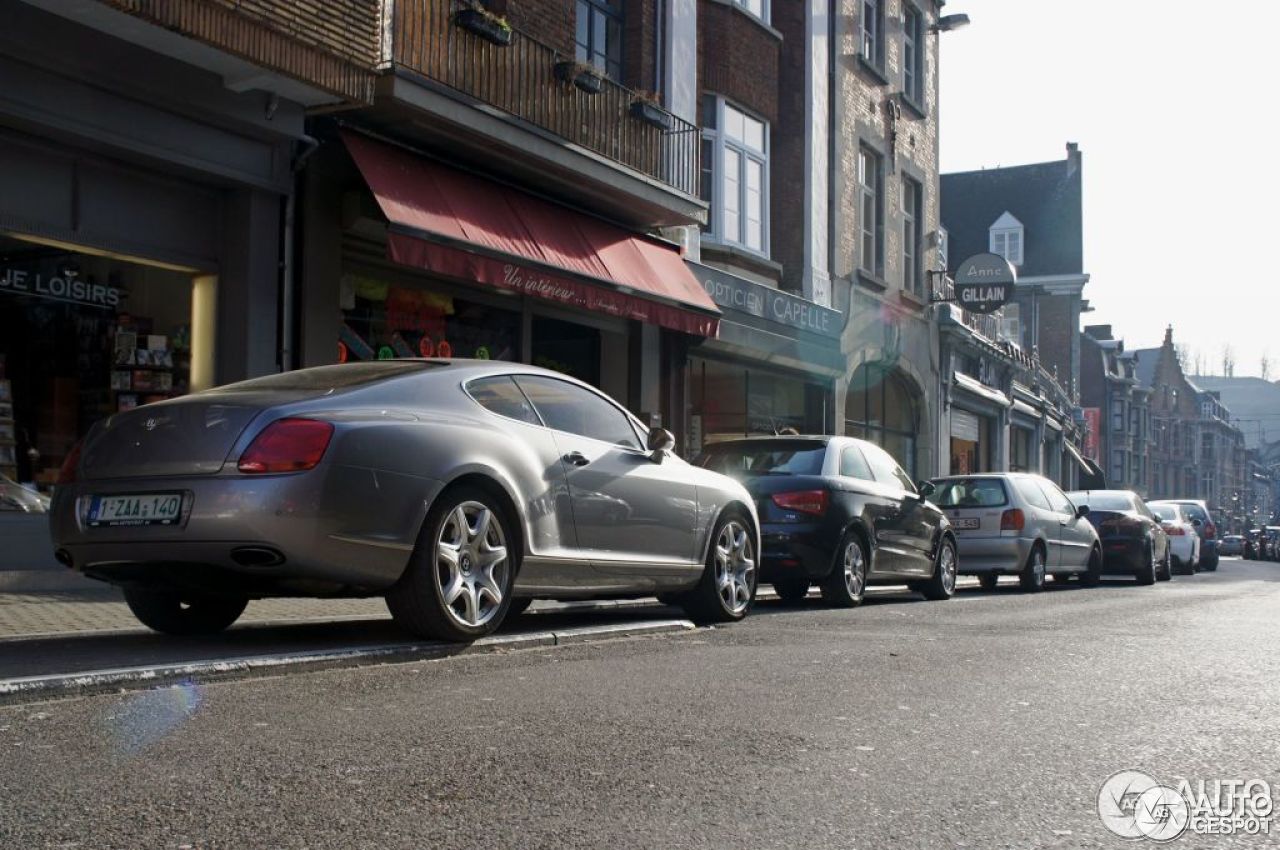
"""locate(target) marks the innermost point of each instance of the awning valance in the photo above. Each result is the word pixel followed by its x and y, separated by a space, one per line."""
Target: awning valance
pixel 463 226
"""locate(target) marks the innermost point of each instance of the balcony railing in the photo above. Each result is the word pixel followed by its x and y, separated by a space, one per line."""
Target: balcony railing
pixel 330 44
pixel 521 79
pixel 984 324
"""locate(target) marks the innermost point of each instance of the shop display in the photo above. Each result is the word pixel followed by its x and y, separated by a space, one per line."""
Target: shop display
pixel 8 432
pixel 148 367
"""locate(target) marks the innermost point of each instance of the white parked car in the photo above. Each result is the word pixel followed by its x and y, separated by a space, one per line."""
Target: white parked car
pixel 1184 540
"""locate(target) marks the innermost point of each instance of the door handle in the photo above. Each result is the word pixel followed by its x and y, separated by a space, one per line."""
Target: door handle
pixel 576 459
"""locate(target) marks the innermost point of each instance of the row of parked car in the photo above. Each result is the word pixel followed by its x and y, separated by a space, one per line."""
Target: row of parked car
pixel 1262 543
pixel 462 490
pixel 840 513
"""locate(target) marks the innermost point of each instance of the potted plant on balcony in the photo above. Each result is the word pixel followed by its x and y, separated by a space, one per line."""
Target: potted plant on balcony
pixel 586 77
pixel 645 107
pixel 480 21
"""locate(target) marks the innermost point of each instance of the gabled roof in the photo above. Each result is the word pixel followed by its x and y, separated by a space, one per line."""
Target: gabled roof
pixel 1045 197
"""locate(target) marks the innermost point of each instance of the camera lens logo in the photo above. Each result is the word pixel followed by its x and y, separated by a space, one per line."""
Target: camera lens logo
pixel 1132 804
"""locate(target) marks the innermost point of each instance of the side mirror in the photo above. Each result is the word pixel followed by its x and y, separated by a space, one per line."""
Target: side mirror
pixel 1197 523
pixel 926 488
pixel 1082 511
pixel 661 443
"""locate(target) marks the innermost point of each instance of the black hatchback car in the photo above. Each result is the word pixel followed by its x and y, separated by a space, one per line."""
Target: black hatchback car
pixel 839 513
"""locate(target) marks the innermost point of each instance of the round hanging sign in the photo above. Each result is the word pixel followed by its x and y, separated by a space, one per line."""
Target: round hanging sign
pixel 985 283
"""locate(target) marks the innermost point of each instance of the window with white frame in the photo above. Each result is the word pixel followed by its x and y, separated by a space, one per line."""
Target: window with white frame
pixel 912 265
pixel 1007 238
pixel 735 175
pixel 872 22
pixel 943 248
pixel 759 8
pixel 913 54
pixel 871 212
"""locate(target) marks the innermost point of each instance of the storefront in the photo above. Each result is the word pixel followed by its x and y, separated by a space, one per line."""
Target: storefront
pixel 425 259
pixel 979 426
pixel 970 442
pixel 883 406
pixel 770 369
pixel 141 212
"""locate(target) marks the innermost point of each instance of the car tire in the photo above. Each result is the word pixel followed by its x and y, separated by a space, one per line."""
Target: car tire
pixel 846 586
pixel 728 584
pixel 941 586
pixel 1145 572
pixel 457 587
pixel 1031 579
pixel 988 581
pixel 1165 573
pixel 1093 573
pixel 518 606
pixel 791 590
pixel 181 612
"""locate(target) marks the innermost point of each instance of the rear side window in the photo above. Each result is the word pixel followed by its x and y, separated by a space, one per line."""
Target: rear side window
pixel 1030 491
pixel 853 464
pixel 500 395
pixel 796 457
pixel 970 493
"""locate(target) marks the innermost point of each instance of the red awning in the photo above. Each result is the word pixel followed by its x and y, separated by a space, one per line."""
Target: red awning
pixel 463 226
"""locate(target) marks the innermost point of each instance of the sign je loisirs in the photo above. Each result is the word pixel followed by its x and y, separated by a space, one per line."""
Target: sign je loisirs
pixel 59 287
pixel 984 283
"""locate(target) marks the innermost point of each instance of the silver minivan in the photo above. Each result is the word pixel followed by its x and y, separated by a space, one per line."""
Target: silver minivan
pixel 1013 523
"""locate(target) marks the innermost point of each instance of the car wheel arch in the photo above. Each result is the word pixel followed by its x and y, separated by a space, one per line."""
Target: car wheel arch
pixel 858 526
pixel 743 510
pixel 491 484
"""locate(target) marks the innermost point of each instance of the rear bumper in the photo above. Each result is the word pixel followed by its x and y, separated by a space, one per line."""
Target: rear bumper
pixel 1122 554
pixel 335 529
pixel 793 550
pixel 992 554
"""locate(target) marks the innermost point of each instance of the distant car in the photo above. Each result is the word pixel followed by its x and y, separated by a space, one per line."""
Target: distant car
pixel 1018 524
pixel 15 497
pixel 1184 543
pixel 1231 544
pixel 1198 510
pixel 457 489
pixel 1133 540
pixel 839 513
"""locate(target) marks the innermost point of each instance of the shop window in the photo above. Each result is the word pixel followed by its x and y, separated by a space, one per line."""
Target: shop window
pixel 883 408
pixel 383 320
pixel 732 400
pixel 1020 449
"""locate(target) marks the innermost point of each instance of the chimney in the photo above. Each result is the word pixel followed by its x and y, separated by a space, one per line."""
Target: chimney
pixel 1099 332
pixel 1073 158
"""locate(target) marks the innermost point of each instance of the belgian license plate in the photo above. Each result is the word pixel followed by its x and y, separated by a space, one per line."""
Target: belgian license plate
pixel 135 509
pixel 966 522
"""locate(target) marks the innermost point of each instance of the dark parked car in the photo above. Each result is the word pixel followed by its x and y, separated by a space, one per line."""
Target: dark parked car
pixel 1133 540
pixel 457 489
pixel 1198 510
pixel 839 513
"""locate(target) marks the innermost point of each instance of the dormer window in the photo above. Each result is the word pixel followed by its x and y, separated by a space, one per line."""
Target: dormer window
pixel 1007 238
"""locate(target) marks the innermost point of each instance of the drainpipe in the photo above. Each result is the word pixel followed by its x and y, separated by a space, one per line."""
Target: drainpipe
pixel 308 147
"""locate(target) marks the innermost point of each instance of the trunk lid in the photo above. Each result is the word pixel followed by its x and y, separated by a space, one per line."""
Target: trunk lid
pixel 187 436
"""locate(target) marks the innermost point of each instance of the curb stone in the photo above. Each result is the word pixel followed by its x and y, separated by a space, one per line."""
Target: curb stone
pixel 55 686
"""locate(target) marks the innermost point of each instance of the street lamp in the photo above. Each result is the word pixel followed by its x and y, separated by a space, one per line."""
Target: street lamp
pixel 947 23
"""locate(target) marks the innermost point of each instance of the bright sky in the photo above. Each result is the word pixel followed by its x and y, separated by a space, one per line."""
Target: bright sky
pixel 1174 107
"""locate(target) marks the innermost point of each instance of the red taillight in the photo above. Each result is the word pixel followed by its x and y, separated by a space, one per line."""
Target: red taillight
pixel 1175 531
pixel 1210 530
pixel 287 445
pixel 71 466
pixel 805 501
pixel 1012 520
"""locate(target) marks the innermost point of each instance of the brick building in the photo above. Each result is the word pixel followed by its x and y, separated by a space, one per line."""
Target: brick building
pixel 1119 402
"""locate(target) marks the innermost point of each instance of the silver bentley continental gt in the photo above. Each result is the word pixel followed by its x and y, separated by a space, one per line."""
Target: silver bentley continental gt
pixel 459 490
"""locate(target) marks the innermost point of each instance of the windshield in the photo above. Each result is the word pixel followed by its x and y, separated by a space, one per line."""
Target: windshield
pixel 969 493
pixel 793 457
pixel 1101 501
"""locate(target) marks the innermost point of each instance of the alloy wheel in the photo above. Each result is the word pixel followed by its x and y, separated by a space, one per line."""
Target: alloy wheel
pixel 735 566
pixel 855 570
pixel 947 568
pixel 471 564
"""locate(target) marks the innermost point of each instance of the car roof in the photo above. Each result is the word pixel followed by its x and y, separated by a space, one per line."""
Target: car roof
pixel 974 475
pixel 765 438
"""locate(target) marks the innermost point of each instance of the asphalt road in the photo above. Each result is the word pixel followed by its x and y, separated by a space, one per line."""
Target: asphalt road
pixel 988 722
